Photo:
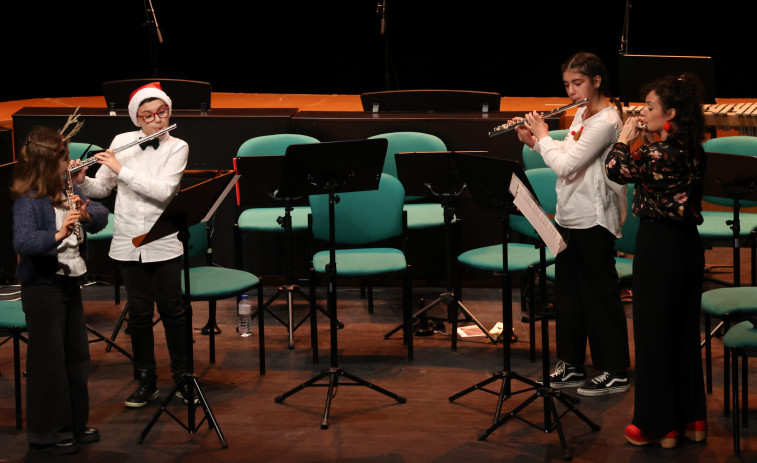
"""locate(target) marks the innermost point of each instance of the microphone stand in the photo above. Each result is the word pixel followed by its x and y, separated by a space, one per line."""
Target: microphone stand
pixel 152 24
pixel 624 36
pixel 381 10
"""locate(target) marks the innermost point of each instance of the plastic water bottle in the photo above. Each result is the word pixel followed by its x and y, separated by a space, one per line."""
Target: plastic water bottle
pixel 244 311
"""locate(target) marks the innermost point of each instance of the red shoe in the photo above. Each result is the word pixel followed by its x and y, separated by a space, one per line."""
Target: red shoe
pixel 636 436
pixel 697 430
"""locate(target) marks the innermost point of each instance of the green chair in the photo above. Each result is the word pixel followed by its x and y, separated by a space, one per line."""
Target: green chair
pixel 522 258
pixel 741 340
pixel 730 305
pixel 420 213
pixel 286 219
pixel 532 159
pixel 12 327
pixel 363 219
pixel 80 150
pixel 716 230
pixel 211 283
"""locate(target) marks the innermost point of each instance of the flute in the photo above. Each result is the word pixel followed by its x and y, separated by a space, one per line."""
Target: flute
pixel 88 162
pixel 511 125
pixel 72 205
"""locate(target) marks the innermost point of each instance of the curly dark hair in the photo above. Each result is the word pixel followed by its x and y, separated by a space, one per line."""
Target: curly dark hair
pixel 684 94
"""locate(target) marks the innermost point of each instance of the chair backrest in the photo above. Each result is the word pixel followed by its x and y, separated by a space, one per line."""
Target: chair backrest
pixel 272 145
pixel 627 243
pixel 543 181
pixel 361 217
pixel 77 150
pixel 198 240
pixel 532 159
pixel 407 142
pixel 739 144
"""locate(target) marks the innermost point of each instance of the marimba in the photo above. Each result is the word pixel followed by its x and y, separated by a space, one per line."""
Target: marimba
pixel 738 116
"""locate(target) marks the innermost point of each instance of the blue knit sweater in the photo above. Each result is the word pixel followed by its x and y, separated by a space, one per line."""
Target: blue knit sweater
pixel 34 236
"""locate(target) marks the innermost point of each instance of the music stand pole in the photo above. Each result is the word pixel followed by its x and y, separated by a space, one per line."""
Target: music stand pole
pixel 177 216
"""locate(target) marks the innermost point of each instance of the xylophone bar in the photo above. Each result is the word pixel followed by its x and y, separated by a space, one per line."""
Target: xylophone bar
pixel 725 116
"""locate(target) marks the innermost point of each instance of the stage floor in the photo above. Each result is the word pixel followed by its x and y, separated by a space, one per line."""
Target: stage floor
pixel 364 425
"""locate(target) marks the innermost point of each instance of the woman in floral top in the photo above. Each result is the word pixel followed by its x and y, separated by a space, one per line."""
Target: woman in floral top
pixel 669 260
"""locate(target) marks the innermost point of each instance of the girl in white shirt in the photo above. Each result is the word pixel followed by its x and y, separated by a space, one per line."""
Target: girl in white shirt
pixel 590 214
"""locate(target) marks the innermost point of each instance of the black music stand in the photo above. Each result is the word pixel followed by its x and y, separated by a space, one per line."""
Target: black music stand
pixel 259 181
pixel 331 168
pixel 193 205
pixel 731 176
pixel 185 94
pixel 437 173
pixel 488 180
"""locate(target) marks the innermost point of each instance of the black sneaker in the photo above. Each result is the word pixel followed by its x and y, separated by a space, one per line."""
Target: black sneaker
pixel 606 383
pixel 142 396
pixel 567 375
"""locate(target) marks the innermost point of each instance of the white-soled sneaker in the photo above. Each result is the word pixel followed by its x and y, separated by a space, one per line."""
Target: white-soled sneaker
pixel 567 375
pixel 603 384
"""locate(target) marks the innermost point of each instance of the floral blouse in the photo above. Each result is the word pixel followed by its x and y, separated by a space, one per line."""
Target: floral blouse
pixel 668 179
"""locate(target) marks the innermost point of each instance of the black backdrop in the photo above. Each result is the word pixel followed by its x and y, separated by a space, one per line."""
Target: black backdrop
pixel 514 48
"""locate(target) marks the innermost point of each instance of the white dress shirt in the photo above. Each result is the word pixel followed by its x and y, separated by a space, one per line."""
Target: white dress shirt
pixel 148 180
pixel 585 196
pixel 70 261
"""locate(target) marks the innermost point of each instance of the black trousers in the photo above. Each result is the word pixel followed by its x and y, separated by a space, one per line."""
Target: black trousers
pixel 151 284
pixel 57 361
pixel 667 292
pixel 588 301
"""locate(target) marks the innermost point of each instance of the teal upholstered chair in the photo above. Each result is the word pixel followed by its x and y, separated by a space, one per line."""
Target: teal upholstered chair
pixel 716 229
pixel 80 150
pixel 532 159
pixel 730 305
pixel 741 339
pixel 12 327
pixel 211 283
pixel 363 219
pixel 420 213
pixel 522 258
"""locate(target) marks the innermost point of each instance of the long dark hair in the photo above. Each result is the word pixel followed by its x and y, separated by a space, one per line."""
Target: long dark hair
pixel 37 171
pixel 684 94
pixel 591 66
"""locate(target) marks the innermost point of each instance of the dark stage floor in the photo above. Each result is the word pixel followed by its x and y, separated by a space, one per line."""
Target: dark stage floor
pixel 364 425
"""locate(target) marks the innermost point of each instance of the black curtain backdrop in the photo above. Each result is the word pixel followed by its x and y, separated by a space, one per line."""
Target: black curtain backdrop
pixel 514 48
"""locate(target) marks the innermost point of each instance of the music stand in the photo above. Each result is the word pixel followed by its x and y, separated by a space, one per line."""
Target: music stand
pixel 258 187
pixel 192 205
pixel 185 94
pixel 491 182
pixel 437 173
pixel 331 168
pixel 637 70
pixel 431 101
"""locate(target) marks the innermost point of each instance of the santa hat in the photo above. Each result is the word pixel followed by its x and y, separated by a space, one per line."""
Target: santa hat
pixel 151 90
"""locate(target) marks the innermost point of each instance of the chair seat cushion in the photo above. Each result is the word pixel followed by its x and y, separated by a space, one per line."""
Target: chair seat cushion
pixel 520 257
pixel 362 262
pixel 264 219
pixel 12 315
pixel 715 226
pixel 104 234
pixel 623 265
pixel 741 335
pixel 424 215
pixel 218 282
pixel 721 302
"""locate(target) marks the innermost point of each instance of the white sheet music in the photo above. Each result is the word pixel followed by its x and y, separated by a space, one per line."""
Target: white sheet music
pixel 531 210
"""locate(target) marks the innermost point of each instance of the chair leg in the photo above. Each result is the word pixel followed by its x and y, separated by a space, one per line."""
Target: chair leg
pixel 17 377
pixel 211 331
pixel 708 353
pixel 406 312
pixel 261 329
pixel 735 422
pixel 726 376
pixel 117 328
pixel 369 295
pixel 744 389
pixel 313 319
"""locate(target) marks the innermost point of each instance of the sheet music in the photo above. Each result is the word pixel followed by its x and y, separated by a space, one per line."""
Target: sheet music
pixel 530 208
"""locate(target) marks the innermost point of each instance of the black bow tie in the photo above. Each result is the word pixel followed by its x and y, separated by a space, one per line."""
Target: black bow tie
pixel 154 143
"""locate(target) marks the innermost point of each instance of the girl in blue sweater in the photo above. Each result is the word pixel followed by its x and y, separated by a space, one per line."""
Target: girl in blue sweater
pixel 49 269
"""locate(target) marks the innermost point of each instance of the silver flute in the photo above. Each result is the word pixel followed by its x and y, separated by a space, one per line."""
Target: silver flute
pixel 511 125
pixel 71 204
pixel 93 160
